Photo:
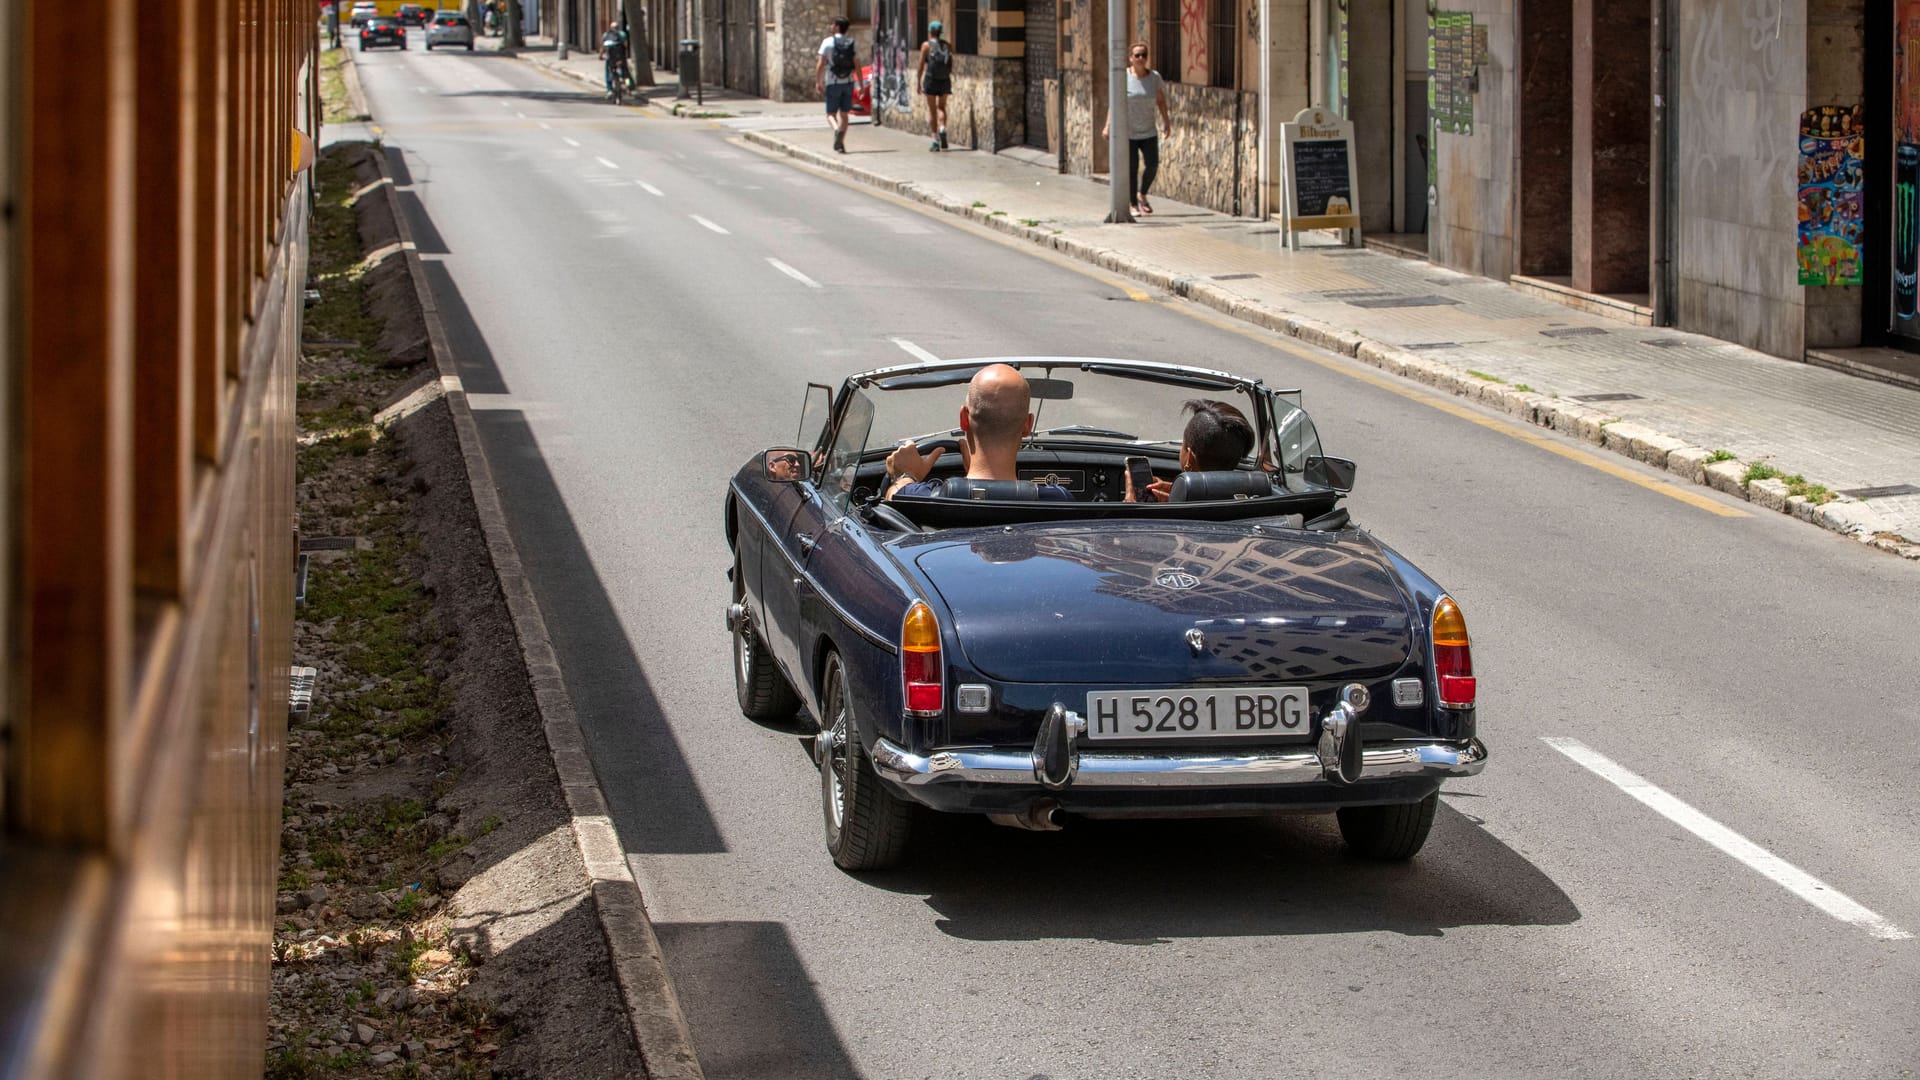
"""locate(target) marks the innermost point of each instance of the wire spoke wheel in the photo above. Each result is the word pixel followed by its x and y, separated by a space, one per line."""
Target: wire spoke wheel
pixel 867 826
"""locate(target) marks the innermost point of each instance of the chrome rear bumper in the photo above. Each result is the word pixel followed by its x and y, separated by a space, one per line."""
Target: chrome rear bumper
pixel 1143 769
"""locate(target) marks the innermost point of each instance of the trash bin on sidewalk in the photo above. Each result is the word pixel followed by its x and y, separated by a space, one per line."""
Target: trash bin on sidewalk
pixel 690 69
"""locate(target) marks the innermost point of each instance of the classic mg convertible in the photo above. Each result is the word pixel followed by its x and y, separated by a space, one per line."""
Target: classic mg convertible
pixel 1240 648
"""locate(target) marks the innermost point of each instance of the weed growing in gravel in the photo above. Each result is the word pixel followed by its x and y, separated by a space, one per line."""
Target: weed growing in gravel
pixel 1719 455
pixel 1485 376
pixel 1759 470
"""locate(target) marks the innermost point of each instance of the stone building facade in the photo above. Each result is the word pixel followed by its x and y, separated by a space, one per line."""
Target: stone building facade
pixel 1643 159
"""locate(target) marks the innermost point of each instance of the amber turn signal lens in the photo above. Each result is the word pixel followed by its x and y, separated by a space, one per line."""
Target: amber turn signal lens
pixel 1449 626
pixel 920 633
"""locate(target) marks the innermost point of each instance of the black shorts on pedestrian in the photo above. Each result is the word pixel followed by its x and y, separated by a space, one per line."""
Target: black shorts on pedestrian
pixel 839 97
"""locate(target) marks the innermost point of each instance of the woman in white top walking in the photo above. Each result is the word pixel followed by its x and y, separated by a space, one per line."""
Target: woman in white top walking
pixel 1146 93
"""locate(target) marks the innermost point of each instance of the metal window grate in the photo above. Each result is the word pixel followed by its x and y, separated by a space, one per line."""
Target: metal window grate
pixel 1221 43
pixel 1608 397
pixel 1166 39
pixel 966 27
pixel 1574 331
pixel 1404 301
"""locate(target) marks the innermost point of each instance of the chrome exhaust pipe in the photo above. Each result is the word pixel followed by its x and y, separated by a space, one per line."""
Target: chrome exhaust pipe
pixel 1041 815
pixel 1339 748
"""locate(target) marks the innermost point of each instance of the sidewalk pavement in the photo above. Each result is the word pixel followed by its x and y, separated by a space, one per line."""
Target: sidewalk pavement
pixel 1781 434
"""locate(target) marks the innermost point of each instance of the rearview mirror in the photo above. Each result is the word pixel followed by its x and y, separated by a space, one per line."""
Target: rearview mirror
pixel 786 465
pixel 1333 472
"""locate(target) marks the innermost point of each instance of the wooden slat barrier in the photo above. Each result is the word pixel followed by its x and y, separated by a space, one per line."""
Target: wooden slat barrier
pixel 159 264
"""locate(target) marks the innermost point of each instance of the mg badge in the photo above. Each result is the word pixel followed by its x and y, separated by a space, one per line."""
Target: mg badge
pixel 1175 579
pixel 1196 641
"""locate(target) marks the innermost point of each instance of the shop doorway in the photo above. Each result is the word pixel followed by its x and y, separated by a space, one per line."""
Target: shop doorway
pixel 1377 78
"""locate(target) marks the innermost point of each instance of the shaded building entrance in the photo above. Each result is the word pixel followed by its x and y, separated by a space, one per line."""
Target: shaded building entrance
pixel 1376 75
pixel 1584 147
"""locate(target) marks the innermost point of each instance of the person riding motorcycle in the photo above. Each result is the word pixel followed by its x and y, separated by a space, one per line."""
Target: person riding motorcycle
pixel 613 50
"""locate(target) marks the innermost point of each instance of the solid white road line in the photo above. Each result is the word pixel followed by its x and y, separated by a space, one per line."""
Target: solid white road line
pixel 708 224
pixel 649 188
pixel 607 163
pixel 520 114
pixel 915 351
pixel 544 126
pixel 568 141
pixel 792 273
pixel 1768 865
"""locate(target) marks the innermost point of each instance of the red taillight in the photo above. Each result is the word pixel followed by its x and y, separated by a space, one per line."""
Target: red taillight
pixel 1452 655
pixel 920 661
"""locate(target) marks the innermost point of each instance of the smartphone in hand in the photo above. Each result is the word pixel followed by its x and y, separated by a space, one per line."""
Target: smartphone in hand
pixel 1141 474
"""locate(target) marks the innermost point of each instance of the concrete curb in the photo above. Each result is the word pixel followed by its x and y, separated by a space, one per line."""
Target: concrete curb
pixel 356 94
pixel 1844 515
pixel 659 1028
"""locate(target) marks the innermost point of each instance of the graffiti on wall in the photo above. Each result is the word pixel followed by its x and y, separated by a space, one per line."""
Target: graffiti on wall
pixel 892 36
pixel 1193 35
pixel 1832 205
pixel 1906 165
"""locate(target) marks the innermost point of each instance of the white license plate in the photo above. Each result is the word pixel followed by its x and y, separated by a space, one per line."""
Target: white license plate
pixel 1273 711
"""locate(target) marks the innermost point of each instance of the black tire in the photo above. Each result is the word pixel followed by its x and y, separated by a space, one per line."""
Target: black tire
pixel 1388 833
pixel 763 691
pixel 868 828
pixel 429 46
pixel 469 46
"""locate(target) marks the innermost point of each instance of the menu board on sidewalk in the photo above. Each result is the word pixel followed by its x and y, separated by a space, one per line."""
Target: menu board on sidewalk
pixel 1316 174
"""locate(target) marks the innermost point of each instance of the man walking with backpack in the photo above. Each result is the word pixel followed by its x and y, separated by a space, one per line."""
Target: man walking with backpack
pixel 833 75
pixel 936 82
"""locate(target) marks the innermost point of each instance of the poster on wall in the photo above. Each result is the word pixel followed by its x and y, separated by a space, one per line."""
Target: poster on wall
pixel 1452 67
pixel 1832 201
pixel 1906 166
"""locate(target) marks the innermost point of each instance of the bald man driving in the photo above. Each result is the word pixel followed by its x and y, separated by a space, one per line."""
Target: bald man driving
pixel 992 423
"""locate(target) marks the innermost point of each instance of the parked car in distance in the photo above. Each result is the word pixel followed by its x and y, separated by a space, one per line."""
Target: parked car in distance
pixel 362 11
pixel 1240 648
pixel 411 15
pixel 449 28
pixel 382 30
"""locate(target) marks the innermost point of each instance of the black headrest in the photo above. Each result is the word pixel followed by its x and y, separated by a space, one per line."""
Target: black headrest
pixel 966 487
pixel 1224 484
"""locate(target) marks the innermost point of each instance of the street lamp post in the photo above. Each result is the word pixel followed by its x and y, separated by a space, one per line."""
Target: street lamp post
pixel 1118 167
pixel 565 27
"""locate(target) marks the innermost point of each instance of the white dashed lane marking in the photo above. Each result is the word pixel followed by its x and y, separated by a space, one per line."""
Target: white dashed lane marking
pixel 607 163
pixel 704 223
pixel 568 141
pixel 1759 859
pixel 649 188
pixel 915 351
pixel 792 273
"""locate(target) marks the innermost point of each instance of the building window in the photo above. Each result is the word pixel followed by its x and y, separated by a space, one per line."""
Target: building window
pixel 966 26
pixel 1222 43
pixel 1166 39
pixel 860 12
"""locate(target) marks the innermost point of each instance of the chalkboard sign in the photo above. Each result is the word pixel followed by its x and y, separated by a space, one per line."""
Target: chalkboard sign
pixel 1322 180
pixel 1316 170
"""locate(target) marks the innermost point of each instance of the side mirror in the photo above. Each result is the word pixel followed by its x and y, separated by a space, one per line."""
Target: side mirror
pixel 1333 472
pixel 786 465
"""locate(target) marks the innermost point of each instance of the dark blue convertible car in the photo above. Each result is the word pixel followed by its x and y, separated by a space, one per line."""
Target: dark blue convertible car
pixel 1241 648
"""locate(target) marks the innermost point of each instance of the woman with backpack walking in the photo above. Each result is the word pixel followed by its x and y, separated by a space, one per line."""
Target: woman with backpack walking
pixel 1146 92
pixel 936 82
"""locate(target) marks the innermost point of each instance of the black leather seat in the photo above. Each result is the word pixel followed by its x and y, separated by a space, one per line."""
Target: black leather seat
pixel 966 487
pixel 1223 484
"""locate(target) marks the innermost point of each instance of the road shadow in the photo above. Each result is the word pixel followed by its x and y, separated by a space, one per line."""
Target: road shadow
pixel 750 1003
pixel 656 805
pixel 1148 882
pixel 529 95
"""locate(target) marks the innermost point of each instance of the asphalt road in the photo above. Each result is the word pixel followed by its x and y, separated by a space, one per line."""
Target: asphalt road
pixel 637 303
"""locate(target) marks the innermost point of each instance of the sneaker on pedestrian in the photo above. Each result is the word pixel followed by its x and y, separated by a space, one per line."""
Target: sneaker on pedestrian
pixel 840 141
pixel 934 146
pixel 943 138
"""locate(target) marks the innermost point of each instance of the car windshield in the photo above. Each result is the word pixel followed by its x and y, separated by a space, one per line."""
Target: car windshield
pixel 1079 404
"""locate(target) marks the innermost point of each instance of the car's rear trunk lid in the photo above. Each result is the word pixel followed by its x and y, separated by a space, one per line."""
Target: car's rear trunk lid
pixel 1152 604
